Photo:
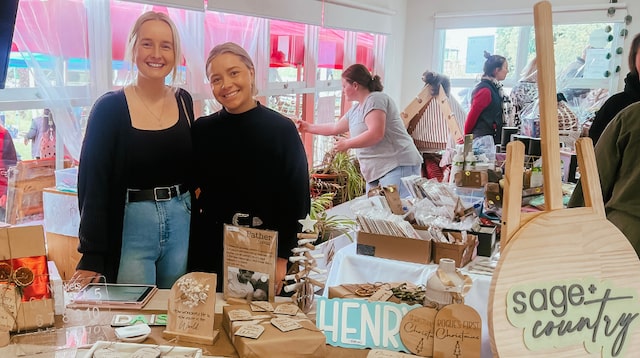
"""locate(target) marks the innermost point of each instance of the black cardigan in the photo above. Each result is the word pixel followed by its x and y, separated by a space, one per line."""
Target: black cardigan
pixel 101 181
pixel 252 163
pixel 615 104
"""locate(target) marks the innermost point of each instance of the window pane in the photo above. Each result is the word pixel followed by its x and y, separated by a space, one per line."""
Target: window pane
pixel 464 50
pixel 287 51
pixel 364 49
pixel 327 110
pixel 330 54
pixel 59 43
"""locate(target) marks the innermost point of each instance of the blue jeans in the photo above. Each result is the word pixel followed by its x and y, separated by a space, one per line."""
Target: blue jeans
pixel 155 241
pixel 393 177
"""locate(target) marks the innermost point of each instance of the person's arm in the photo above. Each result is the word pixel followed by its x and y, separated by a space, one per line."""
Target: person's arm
pixel 326 129
pixel 479 102
pixel 375 121
pixel 95 179
pixel 295 195
pixel 609 151
pixel 600 121
pixel 33 131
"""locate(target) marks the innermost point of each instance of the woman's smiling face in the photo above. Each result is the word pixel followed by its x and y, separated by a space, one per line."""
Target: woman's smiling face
pixel 232 83
pixel 154 50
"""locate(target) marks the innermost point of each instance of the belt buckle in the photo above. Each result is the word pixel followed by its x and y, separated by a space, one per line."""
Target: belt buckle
pixel 237 217
pixel 160 190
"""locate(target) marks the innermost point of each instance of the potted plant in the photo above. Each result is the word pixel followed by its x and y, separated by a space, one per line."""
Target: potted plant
pixel 339 173
pixel 329 226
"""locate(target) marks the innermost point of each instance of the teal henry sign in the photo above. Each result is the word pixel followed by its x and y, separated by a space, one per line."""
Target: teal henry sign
pixel 356 323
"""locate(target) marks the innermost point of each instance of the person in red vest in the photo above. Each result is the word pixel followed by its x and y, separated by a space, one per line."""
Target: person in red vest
pixel 8 158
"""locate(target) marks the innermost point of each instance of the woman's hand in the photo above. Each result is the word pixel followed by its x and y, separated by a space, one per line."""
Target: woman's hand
pixel 341 144
pixel 302 126
pixel 84 277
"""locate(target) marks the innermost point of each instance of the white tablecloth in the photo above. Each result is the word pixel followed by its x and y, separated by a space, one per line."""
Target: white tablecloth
pixel 348 267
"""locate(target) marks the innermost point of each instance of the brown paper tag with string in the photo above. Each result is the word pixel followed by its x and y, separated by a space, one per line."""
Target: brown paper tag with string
pixel 252 331
pixel 285 324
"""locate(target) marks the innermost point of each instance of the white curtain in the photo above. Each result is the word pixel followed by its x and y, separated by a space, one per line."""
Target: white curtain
pixel 49 35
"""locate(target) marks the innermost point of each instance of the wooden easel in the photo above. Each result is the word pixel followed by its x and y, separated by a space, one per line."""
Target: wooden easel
pixel 558 248
pixel 26 182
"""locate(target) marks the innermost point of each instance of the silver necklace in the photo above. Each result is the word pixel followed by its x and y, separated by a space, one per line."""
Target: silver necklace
pixel 164 99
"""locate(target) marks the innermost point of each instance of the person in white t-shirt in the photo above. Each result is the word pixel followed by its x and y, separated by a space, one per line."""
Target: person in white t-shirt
pixel 385 150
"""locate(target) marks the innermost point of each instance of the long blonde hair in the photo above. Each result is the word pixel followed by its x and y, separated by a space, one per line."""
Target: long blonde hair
pixel 135 31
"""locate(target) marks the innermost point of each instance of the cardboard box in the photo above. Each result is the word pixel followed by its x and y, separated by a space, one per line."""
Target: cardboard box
pixel 394 247
pixel 307 341
pixel 486 240
pixel 461 254
pixel 63 250
pixel 23 259
pixel 471 178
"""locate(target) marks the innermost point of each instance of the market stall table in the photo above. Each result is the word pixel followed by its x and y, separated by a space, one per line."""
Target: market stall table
pixel 158 304
pixel 351 268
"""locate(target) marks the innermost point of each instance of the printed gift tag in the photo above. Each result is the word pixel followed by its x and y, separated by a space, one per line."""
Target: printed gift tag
pixel 261 306
pixel 285 324
pixel 240 315
pixel 252 331
pixel 287 309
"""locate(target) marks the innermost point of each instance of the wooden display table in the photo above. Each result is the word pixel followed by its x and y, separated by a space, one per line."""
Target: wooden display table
pixel 222 347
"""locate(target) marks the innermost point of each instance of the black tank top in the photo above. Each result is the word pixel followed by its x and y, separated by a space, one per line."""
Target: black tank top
pixel 159 158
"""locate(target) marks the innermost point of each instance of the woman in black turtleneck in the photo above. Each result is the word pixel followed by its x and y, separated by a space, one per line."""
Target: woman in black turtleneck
pixel 618 101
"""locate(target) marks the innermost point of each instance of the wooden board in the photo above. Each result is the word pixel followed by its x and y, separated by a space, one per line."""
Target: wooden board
pixel 416 108
pixel 417 331
pixel 562 266
pixel 417 105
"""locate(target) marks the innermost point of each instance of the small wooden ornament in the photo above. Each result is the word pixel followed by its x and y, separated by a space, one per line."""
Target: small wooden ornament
pixel 304 264
pixel 457 333
pixel 417 331
pixel 190 315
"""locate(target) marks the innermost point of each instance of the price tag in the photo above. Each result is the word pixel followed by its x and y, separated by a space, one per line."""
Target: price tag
pixel 287 309
pixel 252 331
pixel 261 306
pixel 240 315
pixel 285 324
pixel 382 294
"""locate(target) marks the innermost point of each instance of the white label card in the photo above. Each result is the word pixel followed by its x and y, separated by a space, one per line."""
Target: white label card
pixel 240 315
pixel 261 306
pixel 252 331
pixel 287 309
pixel 285 324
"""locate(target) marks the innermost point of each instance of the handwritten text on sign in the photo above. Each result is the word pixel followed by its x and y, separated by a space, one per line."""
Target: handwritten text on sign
pixel 356 323
pixel 570 312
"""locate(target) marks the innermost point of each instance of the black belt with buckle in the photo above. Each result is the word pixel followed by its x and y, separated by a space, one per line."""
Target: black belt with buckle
pixel 162 193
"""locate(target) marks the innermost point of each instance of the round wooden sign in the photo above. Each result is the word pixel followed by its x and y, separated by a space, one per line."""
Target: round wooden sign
pixel 546 273
pixel 458 332
pixel 566 284
pixel 416 331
